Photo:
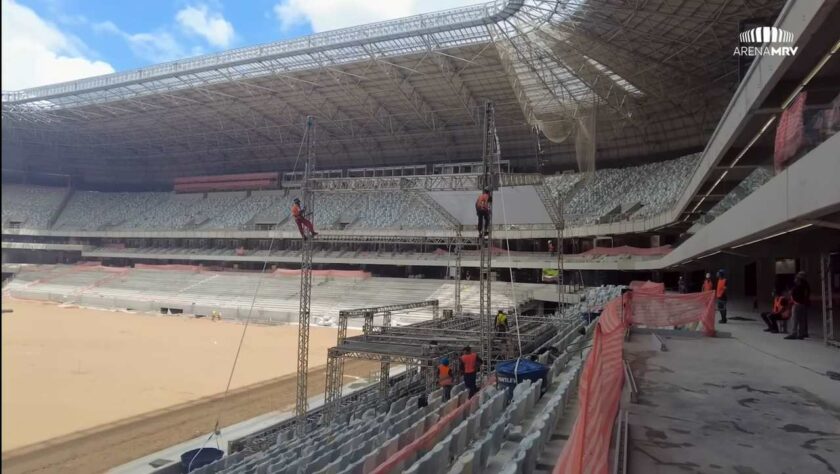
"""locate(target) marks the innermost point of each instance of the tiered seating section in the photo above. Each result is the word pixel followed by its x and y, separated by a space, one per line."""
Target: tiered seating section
pixel 32 206
pixel 634 192
pixel 746 187
pixel 89 210
pixel 495 431
pixel 610 194
pixel 196 292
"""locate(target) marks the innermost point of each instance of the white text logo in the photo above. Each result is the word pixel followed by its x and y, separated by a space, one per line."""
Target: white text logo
pixel 766 39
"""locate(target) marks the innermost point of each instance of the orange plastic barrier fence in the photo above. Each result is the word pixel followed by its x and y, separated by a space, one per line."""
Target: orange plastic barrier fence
pixel 602 377
pixel 647 286
pixel 326 273
pixel 628 250
pixel 175 267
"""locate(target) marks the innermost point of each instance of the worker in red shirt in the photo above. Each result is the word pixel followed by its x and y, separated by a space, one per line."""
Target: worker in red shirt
pixel 470 362
pixel 482 210
pixel 299 213
pixel 551 247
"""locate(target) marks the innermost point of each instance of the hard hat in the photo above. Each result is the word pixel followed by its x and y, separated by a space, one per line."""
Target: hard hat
pixel 708 275
pixel 721 272
pixel 297 199
pixel 445 361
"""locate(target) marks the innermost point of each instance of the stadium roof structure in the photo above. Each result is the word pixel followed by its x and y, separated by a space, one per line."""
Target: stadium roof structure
pixel 654 76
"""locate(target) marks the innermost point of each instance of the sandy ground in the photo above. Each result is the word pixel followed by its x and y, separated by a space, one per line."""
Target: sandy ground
pixel 70 369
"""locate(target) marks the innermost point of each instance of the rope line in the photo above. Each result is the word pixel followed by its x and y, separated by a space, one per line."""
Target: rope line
pixel 217 429
pixel 510 270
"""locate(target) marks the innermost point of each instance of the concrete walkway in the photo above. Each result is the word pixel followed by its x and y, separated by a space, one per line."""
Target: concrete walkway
pixel 754 403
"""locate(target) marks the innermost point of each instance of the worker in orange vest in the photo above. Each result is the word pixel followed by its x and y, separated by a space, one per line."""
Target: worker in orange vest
pixel 299 214
pixel 721 296
pixel 707 283
pixel 445 378
pixel 470 362
pixel 482 210
pixel 781 312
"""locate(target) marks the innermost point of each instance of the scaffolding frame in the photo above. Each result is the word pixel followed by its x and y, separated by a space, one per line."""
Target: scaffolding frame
pixel 301 400
pixel 336 359
pixel 490 158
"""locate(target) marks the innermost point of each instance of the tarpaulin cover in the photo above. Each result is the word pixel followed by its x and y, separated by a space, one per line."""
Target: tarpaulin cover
pixel 628 250
pixel 525 368
pixel 602 378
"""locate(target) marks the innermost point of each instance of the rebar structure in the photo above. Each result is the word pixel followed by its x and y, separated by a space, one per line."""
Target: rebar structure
pixel 490 158
pixel 301 405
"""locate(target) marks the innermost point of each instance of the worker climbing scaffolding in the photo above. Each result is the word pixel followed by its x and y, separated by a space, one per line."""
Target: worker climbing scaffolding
pixel 482 209
pixel 299 214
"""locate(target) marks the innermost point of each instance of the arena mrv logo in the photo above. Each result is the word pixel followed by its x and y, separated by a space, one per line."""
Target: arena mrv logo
pixel 766 41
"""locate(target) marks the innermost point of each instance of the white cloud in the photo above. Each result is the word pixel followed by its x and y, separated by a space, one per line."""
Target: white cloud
pixel 157 46
pixel 212 26
pixel 36 53
pixel 326 15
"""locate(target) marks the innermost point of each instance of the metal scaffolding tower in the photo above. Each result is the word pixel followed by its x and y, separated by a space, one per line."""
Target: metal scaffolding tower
pixel 489 181
pixel 301 405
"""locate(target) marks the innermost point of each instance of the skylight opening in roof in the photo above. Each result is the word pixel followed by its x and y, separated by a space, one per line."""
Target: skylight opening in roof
pixel 615 77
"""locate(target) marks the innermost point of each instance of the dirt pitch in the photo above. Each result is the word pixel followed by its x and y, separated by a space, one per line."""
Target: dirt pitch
pixel 78 381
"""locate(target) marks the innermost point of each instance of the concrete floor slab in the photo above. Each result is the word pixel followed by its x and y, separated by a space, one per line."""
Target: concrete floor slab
pixel 750 404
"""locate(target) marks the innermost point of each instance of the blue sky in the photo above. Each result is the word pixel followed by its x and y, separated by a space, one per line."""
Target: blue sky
pixel 49 41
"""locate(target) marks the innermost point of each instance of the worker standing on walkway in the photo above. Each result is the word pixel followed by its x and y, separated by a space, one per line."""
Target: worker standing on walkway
pixel 681 286
pixel 470 362
pixel 482 210
pixel 721 296
pixel 707 283
pixel 445 378
pixel 299 214
pixel 801 296
pixel 551 247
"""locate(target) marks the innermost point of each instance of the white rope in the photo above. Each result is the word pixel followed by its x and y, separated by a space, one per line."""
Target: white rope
pixel 512 285
pixel 216 429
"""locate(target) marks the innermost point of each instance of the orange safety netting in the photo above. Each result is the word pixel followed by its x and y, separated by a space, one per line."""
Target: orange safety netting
pixel 647 286
pixel 628 250
pixel 602 377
